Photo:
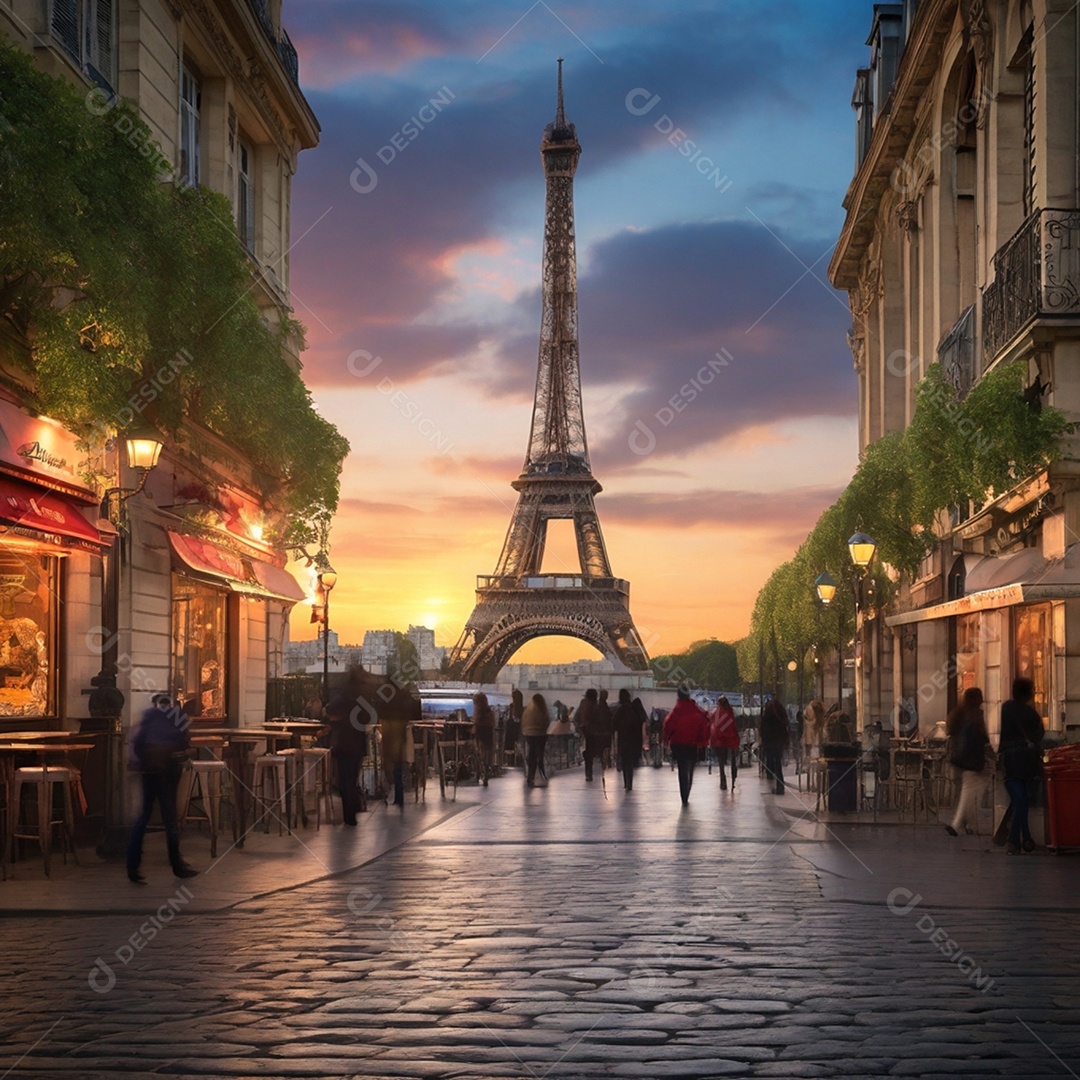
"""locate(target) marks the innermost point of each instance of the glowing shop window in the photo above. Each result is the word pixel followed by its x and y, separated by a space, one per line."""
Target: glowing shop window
pixel 198 631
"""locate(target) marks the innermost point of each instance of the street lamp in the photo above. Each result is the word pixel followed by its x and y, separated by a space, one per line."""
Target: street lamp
pixel 825 585
pixel 327 578
pixel 862 549
pixel 106 701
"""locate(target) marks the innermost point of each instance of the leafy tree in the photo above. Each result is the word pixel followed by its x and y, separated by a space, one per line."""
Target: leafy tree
pixel 131 296
pixel 953 452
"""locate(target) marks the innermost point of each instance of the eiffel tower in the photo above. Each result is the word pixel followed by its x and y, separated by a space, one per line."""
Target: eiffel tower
pixel 517 603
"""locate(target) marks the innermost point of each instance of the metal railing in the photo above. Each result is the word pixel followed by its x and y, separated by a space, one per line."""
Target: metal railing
pixel 283 45
pixel 1036 275
pixel 552 581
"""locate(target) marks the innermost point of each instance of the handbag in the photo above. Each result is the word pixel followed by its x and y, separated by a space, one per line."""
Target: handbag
pixel 1023 761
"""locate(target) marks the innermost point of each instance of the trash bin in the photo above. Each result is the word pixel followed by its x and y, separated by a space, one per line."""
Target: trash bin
pixel 1061 774
pixel 843 778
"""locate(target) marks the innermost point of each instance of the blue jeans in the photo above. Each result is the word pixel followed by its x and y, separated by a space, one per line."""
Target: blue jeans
pixel 1018 795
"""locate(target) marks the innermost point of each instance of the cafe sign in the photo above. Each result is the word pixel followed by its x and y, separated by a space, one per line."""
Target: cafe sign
pixel 39 449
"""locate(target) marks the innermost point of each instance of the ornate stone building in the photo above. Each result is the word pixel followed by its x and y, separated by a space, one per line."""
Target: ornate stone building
pixel 960 246
pixel 203 596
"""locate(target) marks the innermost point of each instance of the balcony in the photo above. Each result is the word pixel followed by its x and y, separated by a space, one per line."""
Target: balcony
pixel 282 45
pixel 1036 276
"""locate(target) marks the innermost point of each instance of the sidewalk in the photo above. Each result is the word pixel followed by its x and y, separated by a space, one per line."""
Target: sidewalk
pixel 266 864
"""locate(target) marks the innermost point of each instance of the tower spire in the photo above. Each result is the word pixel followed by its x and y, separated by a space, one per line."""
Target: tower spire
pixel 560 113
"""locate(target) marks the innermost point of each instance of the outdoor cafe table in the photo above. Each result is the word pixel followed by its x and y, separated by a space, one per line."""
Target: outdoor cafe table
pixel 41 744
pixel 239 744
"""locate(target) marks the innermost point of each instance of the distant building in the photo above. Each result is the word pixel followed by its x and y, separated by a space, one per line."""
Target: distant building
pixel 428 653
pixel 301 656
pixel 380 651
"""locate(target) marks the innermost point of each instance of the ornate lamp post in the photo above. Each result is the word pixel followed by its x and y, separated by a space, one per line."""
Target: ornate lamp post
pixel 825 585
pixel 327 578
pixel 862 549
pixel 106 702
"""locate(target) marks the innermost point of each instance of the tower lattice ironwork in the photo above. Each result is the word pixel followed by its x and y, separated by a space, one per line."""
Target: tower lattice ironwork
pixel 518 603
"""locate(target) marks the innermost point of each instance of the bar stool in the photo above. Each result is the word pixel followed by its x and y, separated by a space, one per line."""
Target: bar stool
pixel 271 771
pixel 44 782
pixel 205 789
pixel 295 801
pixel 315 762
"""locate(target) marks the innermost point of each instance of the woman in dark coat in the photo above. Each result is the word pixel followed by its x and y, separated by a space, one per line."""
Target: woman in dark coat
pixel 483 719
pixel 629 737
pixel 775 737
pixel 968 740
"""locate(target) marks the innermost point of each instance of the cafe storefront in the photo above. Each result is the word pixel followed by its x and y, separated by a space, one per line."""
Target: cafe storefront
pixel 50 553
pixel 1018 615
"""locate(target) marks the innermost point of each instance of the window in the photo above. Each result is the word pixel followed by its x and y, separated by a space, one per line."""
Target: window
pixel 198 637
pixel 1032 651
pixel 87 30
pixel 190 104
pixel 27 634
pixel 245 195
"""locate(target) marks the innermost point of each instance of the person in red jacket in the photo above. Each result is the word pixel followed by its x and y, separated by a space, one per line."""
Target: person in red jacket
pixel 686 730
pixel 724 739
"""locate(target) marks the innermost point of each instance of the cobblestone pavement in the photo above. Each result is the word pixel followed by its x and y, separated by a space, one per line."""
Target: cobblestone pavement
pixel 575 931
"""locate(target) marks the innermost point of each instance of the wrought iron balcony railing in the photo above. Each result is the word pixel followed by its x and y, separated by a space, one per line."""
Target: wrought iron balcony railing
pixel 283 46
pixel 1036 276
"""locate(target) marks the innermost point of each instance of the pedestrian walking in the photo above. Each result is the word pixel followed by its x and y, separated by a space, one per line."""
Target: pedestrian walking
pixel 606 715
pixel 724 739
pixel 686 731
pixel 483 719
pixel 774 736
pixel 595 728
pixel 1022 732
pixel 513 723
pixel 534 727
pixel 396 713
pixel 966 728
pixel 159 750
pixel 349 716
pixel 629 730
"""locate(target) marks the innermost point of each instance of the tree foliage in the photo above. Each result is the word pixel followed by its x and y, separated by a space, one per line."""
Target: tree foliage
pixel 709 664
pixel 135 296
pixel 953 452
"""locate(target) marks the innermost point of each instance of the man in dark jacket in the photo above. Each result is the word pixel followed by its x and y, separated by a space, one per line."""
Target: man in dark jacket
pixel 350 715
pixel 158 750
pixel 775 737
pixel 686 730
pixel 1022 732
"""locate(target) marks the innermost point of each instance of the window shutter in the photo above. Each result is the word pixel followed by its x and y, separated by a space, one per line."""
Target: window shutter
pixel 65 25
pixel 106 40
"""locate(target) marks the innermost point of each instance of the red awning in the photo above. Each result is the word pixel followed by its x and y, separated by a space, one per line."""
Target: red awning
pixel 249 577
pixel 31 511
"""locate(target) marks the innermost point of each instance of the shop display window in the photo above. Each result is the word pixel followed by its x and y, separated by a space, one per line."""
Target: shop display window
pixel 198 634
pixel 1031 638
pixel 27 634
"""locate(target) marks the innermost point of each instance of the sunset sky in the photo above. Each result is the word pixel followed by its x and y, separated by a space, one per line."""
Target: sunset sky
pixel 417 231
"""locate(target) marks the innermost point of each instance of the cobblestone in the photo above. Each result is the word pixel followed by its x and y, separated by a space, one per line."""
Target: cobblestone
pixel 498 944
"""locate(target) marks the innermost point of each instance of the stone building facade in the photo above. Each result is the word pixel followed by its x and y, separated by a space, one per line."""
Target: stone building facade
pixel 959 247
pixel 203 597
